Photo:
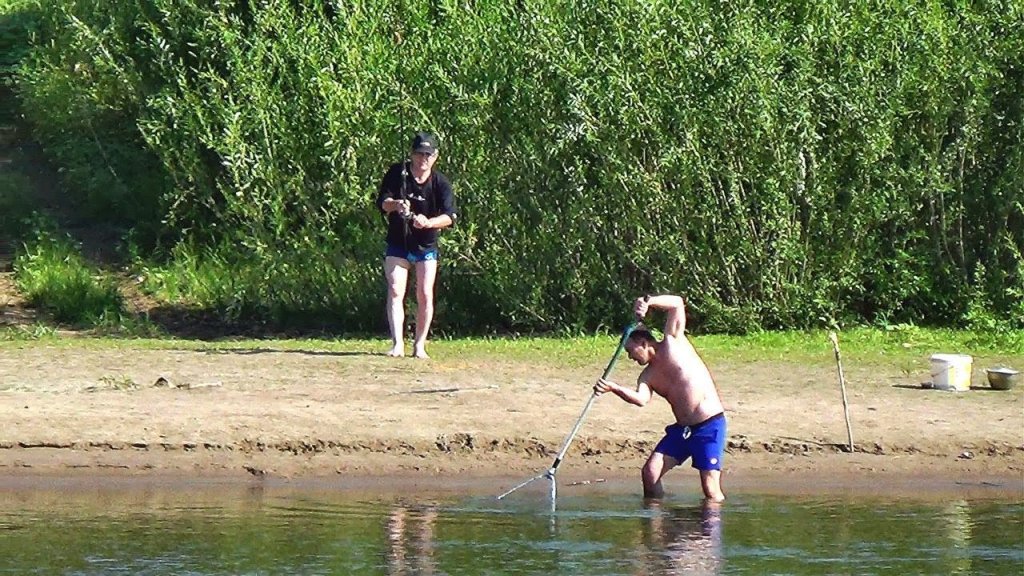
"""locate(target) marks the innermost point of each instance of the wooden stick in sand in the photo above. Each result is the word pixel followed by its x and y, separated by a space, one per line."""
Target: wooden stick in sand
pixel 842 384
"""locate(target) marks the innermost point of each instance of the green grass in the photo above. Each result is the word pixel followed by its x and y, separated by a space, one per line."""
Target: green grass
pixel 862 345
pixel 34 332
pixel 865 343
pixel 53 276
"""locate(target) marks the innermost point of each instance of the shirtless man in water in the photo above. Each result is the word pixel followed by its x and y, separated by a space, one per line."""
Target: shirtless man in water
pixel 675 371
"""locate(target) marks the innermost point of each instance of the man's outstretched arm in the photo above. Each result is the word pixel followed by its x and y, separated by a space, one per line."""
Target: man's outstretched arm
pixel 640 397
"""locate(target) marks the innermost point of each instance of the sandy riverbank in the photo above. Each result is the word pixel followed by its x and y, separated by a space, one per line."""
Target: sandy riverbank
pixel 293 414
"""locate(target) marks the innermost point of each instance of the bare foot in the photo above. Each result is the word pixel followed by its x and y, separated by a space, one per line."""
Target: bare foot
pixel 421 353
pixel 397 351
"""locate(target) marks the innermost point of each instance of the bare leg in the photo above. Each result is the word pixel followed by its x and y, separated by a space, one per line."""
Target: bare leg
pixel 396 541
pixel 426 541
pixel 396 271
pixel 711 483
pixel 654 469
pixel 426 273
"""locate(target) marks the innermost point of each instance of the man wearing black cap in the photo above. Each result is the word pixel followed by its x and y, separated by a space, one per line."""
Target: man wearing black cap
pixel 417 202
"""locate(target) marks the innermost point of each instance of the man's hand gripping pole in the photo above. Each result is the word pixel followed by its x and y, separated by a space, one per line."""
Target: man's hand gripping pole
pixel 572 433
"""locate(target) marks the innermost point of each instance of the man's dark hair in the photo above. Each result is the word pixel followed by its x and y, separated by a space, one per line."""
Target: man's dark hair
pixel 642 334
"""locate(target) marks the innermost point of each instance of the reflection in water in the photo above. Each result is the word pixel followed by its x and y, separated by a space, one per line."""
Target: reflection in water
pixel 410 533
pixel 283 531
pixel 956 516
pixel 683 540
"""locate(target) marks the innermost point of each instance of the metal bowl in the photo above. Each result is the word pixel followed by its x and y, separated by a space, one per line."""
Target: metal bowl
pixel 1002 378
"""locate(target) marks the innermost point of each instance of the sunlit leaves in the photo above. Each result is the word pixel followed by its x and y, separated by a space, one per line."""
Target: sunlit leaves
pixel 783 164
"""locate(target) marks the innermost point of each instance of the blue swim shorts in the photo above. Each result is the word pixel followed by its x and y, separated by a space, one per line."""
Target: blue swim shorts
pixel 704 442
pixel 415 255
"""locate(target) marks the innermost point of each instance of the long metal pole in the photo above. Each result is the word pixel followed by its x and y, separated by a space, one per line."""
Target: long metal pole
pixel 579 421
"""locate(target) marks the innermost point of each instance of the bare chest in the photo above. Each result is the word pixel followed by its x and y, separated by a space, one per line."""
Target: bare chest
pixel 671 382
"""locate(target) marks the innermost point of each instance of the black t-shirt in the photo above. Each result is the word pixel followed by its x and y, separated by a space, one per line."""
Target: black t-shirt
pixel 432 198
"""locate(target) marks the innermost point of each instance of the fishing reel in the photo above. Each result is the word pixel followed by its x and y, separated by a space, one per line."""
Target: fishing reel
pixel 405 212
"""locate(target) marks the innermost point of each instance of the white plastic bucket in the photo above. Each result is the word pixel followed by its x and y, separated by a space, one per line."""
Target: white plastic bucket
pixel 951 371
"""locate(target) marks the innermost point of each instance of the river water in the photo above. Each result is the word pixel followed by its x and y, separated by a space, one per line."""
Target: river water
pixel 194 528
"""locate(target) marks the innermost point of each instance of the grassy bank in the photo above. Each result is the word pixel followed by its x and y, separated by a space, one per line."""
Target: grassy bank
pixel 901 345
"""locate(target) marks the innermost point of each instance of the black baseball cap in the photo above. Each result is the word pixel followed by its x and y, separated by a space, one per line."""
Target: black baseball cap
pixel 424 143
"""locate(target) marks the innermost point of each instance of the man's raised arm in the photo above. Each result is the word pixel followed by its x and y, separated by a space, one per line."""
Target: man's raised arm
pixel 675 312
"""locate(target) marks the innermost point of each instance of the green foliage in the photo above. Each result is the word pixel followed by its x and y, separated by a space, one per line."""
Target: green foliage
pixel 18 22
pixel 15 205
pixel 790 164
pixel 82 99
pixel 54 276
pixel 301 289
